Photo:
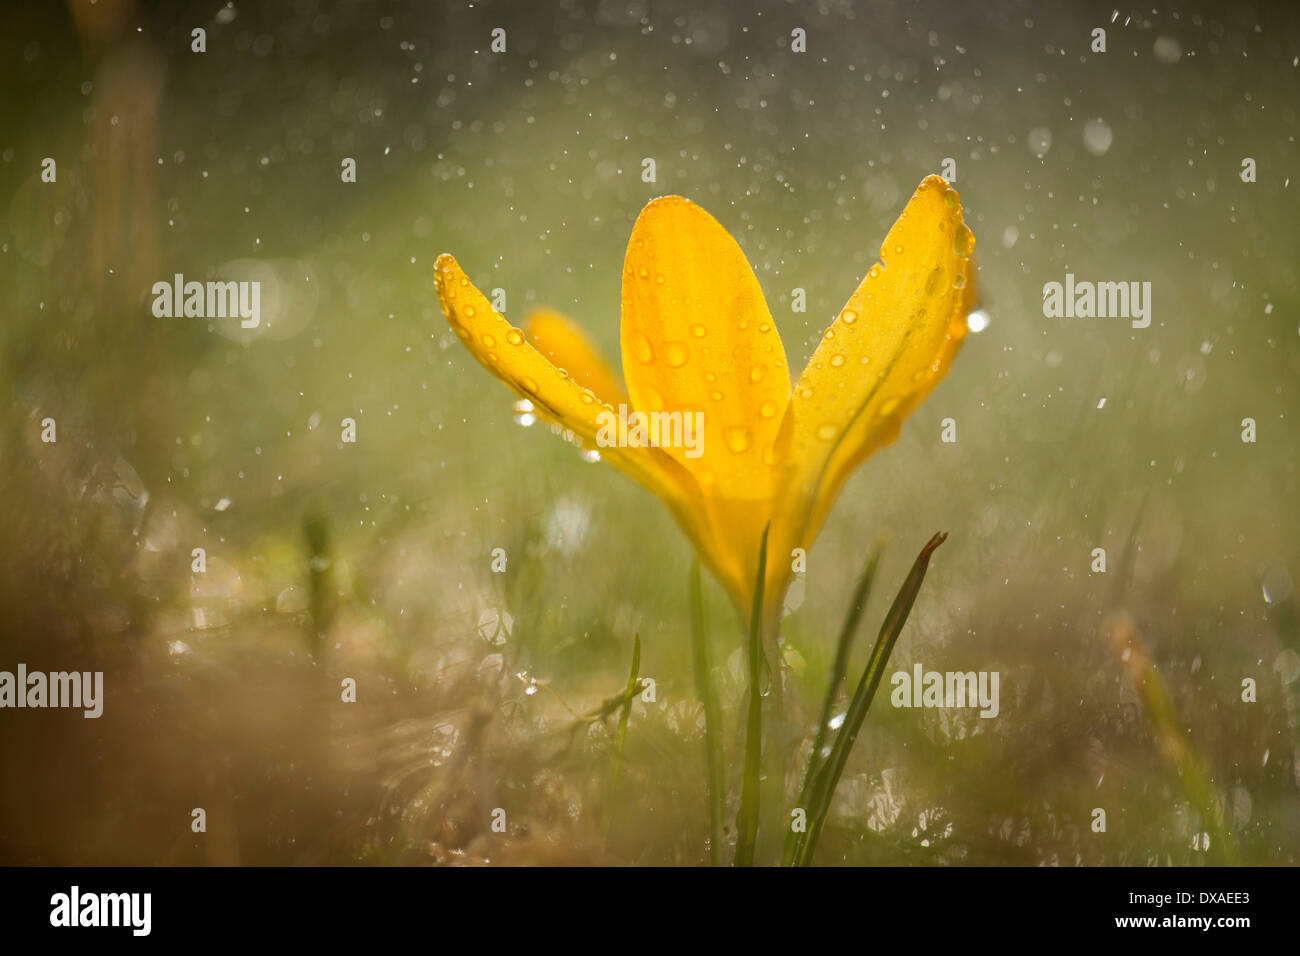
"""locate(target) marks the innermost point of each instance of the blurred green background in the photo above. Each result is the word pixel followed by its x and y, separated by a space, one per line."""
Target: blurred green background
pixel 371 560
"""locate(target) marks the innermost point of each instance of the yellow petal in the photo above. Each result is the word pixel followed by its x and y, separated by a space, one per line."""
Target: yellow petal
pixel 505 352
pixel 568 347
pixel 697 337
pixel 881 356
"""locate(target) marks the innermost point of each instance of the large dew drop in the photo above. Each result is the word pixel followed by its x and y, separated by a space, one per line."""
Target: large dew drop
pixel 736 439
pixel 963 242
pixel 642 349
pixel 675 354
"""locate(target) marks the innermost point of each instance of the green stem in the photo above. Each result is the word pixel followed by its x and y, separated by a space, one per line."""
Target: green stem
pixel 616 770
pixel 712 714
pixel 828 777
pixel 747 818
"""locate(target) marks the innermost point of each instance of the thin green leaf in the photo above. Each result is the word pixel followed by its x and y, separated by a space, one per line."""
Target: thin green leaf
pixel 794 841
pixel 628 695
pixel 828 777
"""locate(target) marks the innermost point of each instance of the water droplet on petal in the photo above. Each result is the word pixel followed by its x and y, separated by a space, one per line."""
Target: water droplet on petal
pixel 826 432
pixel 837 360
pixel 757 372
pixel 767 409
pixel 963 242
pixel 698 330
pixel 675 354
pixel 849 316
pixel 642 349
pixel 737 439
pixel 515 337
pixel 489 342
pixel 888 407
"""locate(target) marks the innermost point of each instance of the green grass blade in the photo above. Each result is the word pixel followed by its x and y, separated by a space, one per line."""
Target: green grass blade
pixel 1173 738
pixel 828 777
pixel 712 714
pixel 747 818
pixel 628 695
pixel 794 841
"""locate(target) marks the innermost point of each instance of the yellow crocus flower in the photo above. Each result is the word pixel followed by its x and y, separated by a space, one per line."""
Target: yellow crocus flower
pixel 697 336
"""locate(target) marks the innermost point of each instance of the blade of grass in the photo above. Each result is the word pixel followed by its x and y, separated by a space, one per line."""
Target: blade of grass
pixel 712 714
pixel 628 695
pixel 747 818
pixel 1175 743
pixel 793 840
pixel 828 777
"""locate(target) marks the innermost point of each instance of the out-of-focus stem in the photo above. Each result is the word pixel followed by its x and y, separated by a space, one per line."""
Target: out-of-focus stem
pixel 1175 746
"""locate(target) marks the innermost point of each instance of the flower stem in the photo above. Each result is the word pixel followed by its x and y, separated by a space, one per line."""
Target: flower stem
pixel 747 818
pixel 625 712
pixel 712 714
